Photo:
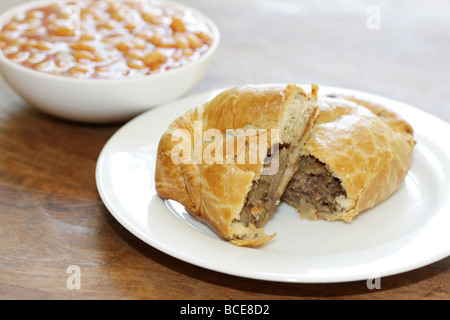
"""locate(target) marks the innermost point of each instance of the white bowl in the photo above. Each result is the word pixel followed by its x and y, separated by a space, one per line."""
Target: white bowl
pixel 103 100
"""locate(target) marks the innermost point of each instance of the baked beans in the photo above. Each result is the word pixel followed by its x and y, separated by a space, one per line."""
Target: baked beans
pixel 105 38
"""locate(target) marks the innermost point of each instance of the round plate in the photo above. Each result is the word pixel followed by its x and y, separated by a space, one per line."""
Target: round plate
pixel 407 231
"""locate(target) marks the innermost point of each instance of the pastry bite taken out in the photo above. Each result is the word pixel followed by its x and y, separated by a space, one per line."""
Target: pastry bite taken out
pixel 357 155
pixel 229 160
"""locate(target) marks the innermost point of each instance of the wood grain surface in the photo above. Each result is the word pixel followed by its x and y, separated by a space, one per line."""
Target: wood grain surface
pixel 51 216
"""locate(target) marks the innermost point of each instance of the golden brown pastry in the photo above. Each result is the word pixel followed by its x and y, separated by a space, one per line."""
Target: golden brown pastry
pixel 357 155
pixel 235 194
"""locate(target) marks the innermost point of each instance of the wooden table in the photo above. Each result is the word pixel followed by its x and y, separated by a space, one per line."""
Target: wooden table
pixel 52 218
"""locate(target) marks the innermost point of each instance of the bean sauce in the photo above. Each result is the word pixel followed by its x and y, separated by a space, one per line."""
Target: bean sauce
pixel 105 39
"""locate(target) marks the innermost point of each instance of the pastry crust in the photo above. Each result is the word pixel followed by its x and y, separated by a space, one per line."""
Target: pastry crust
pixel 216 193
pixel 365 146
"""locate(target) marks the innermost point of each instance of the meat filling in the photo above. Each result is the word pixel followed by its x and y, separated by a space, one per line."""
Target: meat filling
pixel 314 183
pixel 265 193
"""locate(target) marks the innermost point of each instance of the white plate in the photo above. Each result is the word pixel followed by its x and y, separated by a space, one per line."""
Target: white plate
pixel 407 231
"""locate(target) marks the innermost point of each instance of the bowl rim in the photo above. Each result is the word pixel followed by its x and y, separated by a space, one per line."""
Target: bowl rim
pixel 33 4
